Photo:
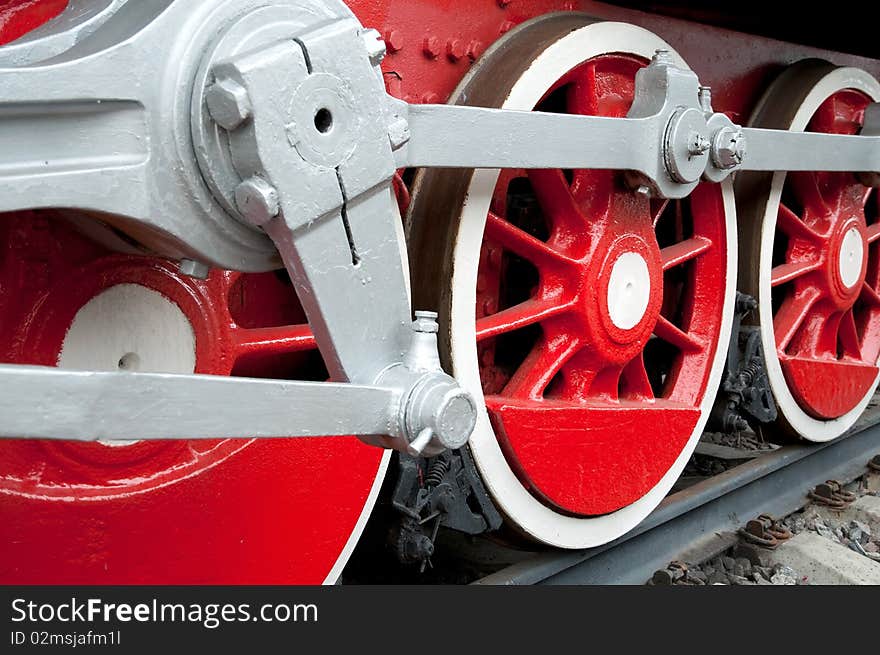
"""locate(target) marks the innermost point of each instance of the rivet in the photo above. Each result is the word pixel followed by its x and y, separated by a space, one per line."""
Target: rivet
pixel 455 49
pixel 503 3
pixel 431 47
pixel 394 40
pixel 430 98
pixel 475 49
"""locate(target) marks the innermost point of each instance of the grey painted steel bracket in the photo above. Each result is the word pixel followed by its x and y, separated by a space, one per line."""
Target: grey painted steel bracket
pixel 247 134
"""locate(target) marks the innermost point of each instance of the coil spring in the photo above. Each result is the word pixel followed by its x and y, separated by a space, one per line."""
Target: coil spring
pixel 750 372
pixel 439 468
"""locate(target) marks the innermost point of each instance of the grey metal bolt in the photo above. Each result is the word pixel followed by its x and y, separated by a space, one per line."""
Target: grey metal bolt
pixel 643 190
pixel 257 200
pixel 192 268
pixel 228 103
pixel 697 144
pixel 375 45
pixel 728 148
pixel 705 97
pixel 662 56
pixel 426 322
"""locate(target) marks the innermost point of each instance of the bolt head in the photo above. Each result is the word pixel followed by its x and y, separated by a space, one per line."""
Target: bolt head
pixel 661 56
pixel 228 103
pixel 425 322
pixel 506 26
pixel 705 98
pixel 431 47
pixel 475 49
pixel 394 40
pixel 728 148
pixel 455 49
pixel 698 144
pixel 257 200
pixel 375 46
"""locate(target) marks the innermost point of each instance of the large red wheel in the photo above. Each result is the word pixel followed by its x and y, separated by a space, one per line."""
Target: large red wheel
pixel 810 257
pixel 229 511
pixel 590 320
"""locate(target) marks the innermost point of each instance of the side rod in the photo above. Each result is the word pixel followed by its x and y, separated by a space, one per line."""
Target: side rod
pixel 49 403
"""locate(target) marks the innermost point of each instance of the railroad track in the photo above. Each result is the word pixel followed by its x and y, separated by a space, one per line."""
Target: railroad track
pixel 701 522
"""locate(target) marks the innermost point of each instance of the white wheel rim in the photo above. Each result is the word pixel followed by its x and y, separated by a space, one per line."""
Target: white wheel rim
pixel 523 509
pixel 802 423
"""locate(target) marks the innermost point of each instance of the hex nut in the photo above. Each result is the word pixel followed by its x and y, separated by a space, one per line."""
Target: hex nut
pixel 728 148
pixel 228 103
pixel 257 200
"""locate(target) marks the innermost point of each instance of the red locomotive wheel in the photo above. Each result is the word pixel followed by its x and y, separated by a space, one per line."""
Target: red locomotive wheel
pixel 586 315
pixel 816 238
pixel 224 511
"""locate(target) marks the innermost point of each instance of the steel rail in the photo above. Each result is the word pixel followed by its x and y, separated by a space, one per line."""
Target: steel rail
pixel 776 483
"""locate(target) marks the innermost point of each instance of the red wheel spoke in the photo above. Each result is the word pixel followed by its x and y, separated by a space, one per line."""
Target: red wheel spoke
pixel 554 195
pixel 228 278
pixel 869 296
pixel 806 188
pixel 657 210
pixel 793 270
pixel 583 96
pixel 519 316
pixel 792 314
pixel 587 375
pixel 684 251
pixel 674 335
pixel 634 381
pixel 848 335
pixel 873 232
pixel 291 338
pixel 545 360
pixel 792 225
pixel 521 242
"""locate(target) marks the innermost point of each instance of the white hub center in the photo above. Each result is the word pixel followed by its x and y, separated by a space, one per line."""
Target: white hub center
pixel 849 261
pixel 129 327
pixel 629 290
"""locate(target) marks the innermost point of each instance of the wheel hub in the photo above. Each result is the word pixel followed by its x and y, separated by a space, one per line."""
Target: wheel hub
pixel 851 259
pixel 129 327
pixel 629 290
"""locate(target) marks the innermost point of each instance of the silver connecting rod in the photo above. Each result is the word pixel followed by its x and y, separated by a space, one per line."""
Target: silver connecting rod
pixel 50 403
pixel 476 137
pixel 780 150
